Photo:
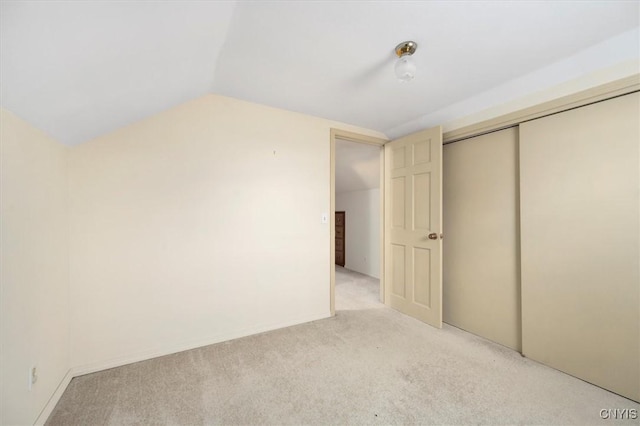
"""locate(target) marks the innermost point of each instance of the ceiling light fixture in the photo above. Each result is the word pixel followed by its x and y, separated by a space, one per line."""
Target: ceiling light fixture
pixel 405 67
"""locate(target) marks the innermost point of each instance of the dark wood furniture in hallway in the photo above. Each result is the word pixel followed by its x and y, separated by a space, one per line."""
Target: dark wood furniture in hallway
pixel 340 236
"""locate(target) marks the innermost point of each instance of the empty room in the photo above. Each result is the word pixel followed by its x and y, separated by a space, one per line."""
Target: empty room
pixel 308 212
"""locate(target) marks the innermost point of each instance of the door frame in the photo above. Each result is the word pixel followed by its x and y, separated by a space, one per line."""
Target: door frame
pixel 358 138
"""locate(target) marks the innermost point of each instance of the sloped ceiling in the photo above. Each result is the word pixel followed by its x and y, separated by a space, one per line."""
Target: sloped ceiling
pixel 357 166
pixel 79 69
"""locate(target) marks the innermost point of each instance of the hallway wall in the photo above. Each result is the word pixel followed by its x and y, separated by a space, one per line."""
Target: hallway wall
pixel 362 230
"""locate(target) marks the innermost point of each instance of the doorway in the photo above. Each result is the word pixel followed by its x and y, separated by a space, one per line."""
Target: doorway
pixel 410 222
pixel 357 164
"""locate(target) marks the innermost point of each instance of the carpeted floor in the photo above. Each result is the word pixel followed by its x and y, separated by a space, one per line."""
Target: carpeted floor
pixel 368 365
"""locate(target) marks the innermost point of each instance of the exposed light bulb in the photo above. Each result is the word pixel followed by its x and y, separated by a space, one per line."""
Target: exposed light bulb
pixel 405 68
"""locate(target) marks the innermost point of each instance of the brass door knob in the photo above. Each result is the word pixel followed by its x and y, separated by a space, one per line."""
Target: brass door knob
pixel 433 236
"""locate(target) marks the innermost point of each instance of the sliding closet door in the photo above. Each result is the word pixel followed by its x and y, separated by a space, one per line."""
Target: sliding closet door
pixel 481 279
pixel 579 192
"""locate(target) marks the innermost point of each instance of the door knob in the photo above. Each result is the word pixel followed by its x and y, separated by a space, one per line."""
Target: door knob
pixel 433 236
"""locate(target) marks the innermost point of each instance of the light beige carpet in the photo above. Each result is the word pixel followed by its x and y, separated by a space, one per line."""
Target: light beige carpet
pixel 368 365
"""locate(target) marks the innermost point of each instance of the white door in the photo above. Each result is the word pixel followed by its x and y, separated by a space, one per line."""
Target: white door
pixel 413 223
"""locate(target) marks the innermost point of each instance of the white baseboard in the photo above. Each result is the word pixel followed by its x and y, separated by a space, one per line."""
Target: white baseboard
pixel 185 346
pixel 53 401
pixel 143 356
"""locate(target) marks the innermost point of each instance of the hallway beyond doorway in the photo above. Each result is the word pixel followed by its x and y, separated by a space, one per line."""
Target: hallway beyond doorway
pixel 356 291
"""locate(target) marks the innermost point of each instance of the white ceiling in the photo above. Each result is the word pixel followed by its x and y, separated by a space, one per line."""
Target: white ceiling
pixel 357 166
pixel 78 69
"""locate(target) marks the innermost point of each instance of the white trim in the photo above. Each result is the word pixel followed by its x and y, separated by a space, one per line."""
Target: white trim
pixel 219 338
pixel 515 116
pixel 53 401
pixel 150 354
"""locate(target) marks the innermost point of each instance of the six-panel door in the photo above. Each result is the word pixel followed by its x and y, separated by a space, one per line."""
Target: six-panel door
pixel 413 216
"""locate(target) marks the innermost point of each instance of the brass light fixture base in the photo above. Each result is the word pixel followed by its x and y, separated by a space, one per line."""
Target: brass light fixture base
pixel 406 48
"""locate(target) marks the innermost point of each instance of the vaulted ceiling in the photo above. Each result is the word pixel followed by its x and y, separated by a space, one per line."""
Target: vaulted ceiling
pixel 79 69
pixel 357 166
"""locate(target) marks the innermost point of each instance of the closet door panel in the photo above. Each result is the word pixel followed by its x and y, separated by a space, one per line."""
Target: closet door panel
pixel 580 242
pixel 481 277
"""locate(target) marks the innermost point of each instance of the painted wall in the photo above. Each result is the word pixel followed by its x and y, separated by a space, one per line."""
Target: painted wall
pixel 197 225
pixel 362 230
pixel 35 268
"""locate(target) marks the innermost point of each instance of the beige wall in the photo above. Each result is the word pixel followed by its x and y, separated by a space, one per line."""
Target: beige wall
pixel 35 268
pixel 199 224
